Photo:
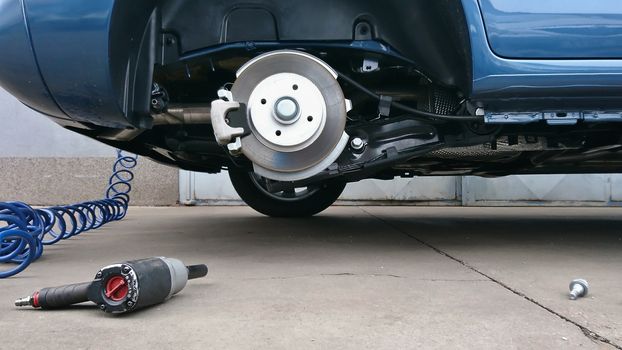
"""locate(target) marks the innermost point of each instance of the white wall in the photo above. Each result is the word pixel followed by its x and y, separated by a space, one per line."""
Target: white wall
pixel 26 133
pixel 42 163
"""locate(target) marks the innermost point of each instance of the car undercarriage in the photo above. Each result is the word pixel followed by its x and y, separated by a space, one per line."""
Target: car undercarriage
pixel 293 97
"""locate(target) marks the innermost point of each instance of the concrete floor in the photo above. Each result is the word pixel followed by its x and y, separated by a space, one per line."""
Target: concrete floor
pixel 351 278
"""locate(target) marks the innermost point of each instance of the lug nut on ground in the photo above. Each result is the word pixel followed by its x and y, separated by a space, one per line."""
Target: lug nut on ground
pixel 578 289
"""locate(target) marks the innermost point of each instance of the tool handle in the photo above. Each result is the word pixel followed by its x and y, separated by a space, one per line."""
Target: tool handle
pixel 63 296
pixel 196 271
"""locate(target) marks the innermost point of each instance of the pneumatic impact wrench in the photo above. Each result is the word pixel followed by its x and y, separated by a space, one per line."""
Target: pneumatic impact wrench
pixel 121 288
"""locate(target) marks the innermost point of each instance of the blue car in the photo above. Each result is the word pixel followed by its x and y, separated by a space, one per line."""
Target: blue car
pixel 297 98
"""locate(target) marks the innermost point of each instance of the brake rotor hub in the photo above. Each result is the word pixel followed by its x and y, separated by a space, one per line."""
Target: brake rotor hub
pixel 287 112
pixel 296 113
pixel 286 109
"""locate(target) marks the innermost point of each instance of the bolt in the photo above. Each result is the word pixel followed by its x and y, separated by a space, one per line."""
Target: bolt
pixel 126 269
pixel 99 274
pixel 102 307
pixel 235 148
pixel 357 143
pixel 130 303
pixel 578 289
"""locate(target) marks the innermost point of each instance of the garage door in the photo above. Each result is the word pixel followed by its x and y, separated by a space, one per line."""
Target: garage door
pixel 593 189
pixel 216 189
pixel 596 190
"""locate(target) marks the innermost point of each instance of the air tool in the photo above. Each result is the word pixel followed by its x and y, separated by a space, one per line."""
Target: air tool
pixel 123 287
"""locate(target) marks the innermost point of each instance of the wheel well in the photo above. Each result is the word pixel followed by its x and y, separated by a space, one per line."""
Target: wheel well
pixel 433 34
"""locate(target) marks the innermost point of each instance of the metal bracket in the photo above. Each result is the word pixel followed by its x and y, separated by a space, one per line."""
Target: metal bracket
pixel 512 118
pixel 363 31
pixel 562 118
pixel 370 65
pixel 595 116
pixel 551 118
pixel 170 49
pixel 222 131
pixel 384 106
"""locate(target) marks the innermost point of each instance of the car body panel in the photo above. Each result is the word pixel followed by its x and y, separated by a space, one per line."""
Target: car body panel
pixel 528 84
pixel 92 61
pixel 75 36
pixel 554 28
pixel 19 71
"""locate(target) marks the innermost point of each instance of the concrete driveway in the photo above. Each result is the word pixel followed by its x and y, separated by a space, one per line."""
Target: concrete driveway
pixel 351 278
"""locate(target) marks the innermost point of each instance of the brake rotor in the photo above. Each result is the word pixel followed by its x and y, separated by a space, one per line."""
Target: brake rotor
pixel 296 111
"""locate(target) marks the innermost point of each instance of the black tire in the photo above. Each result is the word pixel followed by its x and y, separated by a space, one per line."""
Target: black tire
pixel 315 200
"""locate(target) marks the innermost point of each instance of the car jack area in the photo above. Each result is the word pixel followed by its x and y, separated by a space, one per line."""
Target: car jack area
pixel 350 278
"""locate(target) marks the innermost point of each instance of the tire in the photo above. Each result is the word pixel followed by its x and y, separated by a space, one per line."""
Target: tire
pixel 302 204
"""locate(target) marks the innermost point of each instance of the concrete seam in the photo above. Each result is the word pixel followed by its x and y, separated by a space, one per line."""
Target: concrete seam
pixel 593 336
pixel 351 274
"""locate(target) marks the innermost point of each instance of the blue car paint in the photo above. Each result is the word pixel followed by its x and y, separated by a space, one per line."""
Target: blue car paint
pixel 75 37
pixel 362 45
pixel 535 80
pixel 19 71
pixel 554 28
pixel 70 74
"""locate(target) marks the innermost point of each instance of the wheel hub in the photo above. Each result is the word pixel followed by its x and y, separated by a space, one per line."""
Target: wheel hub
pixel 296 113
pixel 287 112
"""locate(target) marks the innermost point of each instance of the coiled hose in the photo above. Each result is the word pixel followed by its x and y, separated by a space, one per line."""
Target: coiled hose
pixel 24 230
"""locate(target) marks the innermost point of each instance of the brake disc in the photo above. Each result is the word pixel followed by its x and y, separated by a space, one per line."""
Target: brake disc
pixel 296 111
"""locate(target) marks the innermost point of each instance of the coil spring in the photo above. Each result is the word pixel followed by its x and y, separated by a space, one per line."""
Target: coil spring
pixel 24 230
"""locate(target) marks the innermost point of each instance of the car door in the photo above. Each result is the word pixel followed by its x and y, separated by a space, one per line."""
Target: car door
pixel 572 29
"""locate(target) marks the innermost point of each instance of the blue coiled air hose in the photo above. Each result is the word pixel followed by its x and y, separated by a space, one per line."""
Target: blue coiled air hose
pixel 24 230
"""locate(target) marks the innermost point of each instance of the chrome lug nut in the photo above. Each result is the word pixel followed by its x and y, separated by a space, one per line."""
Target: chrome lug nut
pixel 578 289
